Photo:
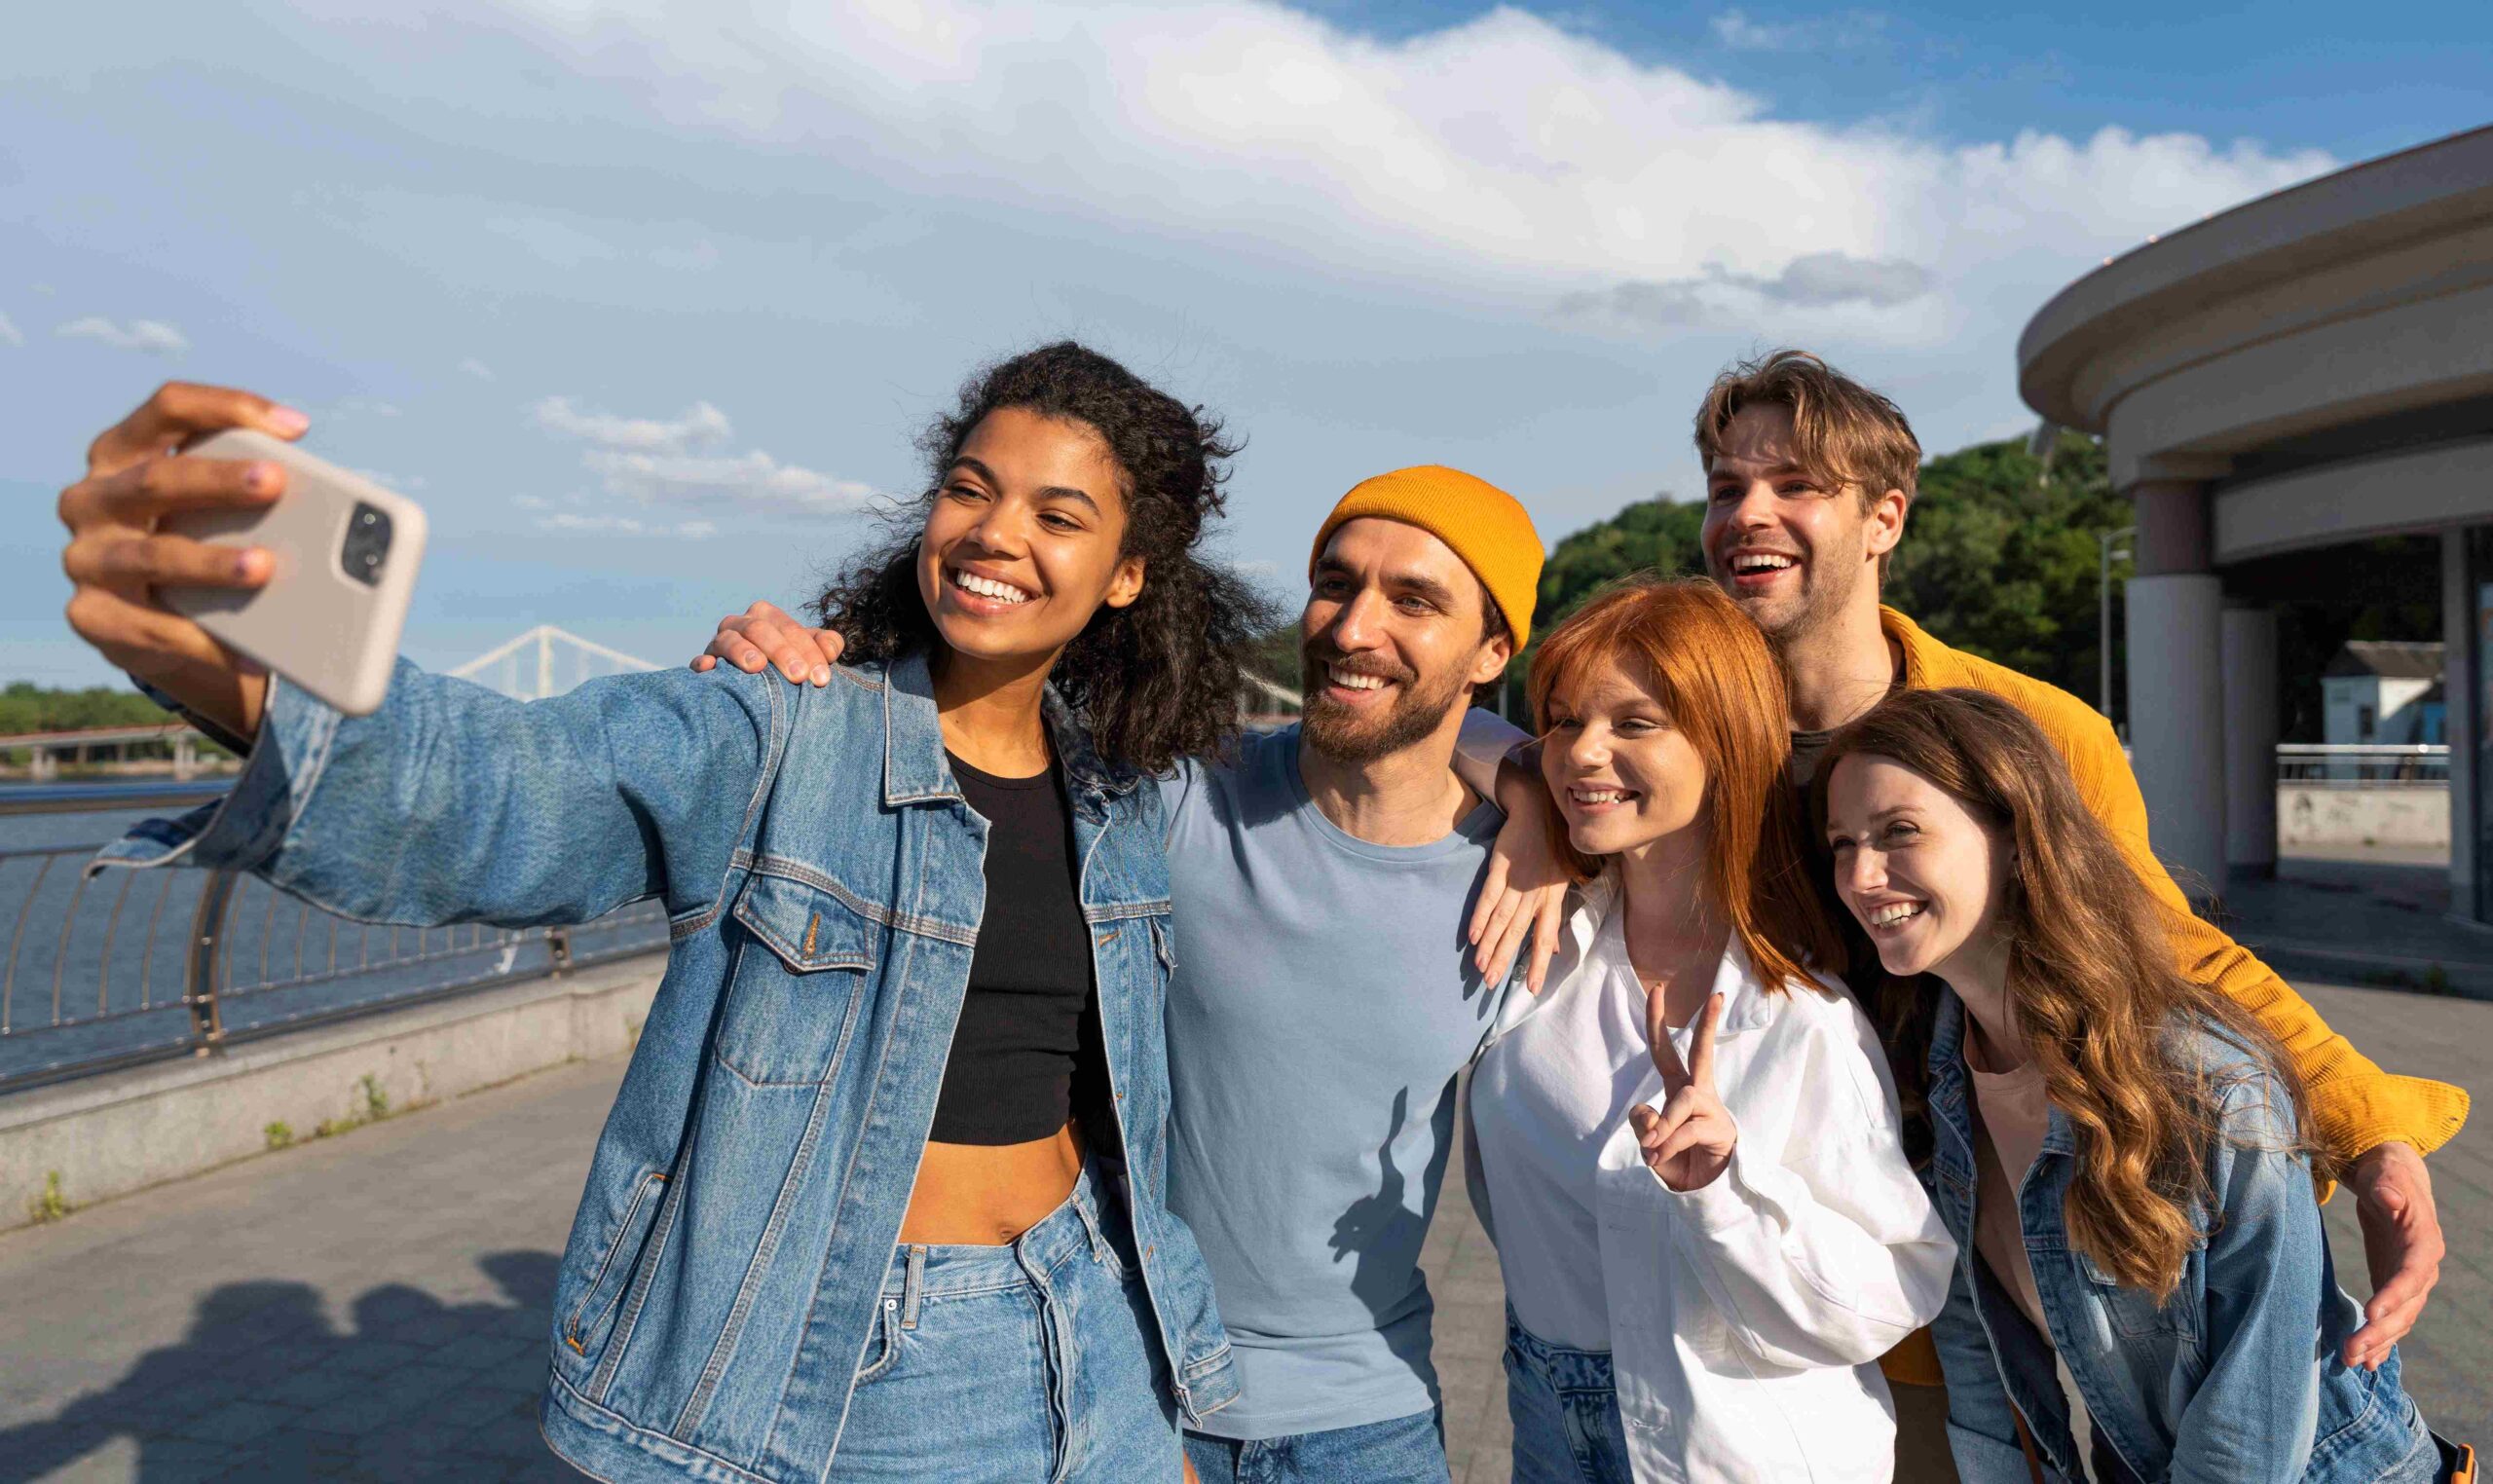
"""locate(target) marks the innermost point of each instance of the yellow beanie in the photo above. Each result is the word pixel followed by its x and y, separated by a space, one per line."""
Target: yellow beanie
pixel 1486 527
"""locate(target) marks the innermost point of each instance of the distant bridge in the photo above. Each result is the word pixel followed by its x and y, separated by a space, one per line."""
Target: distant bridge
pixel 80 745
pixel 546 661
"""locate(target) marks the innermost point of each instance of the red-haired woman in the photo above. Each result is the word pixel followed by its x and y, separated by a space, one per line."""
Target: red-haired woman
pixel 1688 1146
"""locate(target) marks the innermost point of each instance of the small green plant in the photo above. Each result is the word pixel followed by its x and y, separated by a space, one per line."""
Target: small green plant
pixel 52 1205
pixel 330 1126
pixel 375 1102
pixel 2436 979
pixel 279 1133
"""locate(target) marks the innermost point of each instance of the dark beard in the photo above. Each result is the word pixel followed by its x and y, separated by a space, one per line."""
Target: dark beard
pixel 1332 729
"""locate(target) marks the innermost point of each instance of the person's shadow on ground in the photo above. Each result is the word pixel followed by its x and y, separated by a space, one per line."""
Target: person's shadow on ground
pixel 262 1389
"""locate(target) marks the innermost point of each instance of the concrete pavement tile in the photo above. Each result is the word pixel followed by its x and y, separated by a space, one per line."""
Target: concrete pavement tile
pixel 75 1453
pixel 411 1461
pixel 371 1356
pixel 520 1373
pixel 512 1438
pixel 548 1469
pixel 292 1453
pixel 485 1350
pixel 176 1460
pixel 472 1406
pixel 313 1388
pixel 237 1422
pixel 352 1415
pixel 377 1403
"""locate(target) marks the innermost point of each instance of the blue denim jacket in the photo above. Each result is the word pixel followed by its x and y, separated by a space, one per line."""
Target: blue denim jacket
pixel 2236 1377
pixel 824 881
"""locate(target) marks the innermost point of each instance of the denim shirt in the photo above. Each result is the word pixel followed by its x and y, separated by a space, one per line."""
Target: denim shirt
pixel 2237 1376
pixel 824 882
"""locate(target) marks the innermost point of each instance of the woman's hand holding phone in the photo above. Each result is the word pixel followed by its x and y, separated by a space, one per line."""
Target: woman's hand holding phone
pixel 117 557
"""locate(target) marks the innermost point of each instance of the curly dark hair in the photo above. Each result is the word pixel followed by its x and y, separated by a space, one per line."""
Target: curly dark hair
pixel 1154 681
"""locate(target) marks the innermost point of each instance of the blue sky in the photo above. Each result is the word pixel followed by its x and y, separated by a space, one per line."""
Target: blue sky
pixel 645 304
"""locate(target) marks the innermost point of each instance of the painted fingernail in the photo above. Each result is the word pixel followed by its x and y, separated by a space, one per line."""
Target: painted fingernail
pixel 260 478
pixel 287 422
pixel 248 565
pixel 822 675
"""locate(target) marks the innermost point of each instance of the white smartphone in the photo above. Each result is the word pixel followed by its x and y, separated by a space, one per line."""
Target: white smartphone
pixel 347 552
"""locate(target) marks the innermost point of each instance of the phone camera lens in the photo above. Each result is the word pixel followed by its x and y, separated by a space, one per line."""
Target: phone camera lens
pixel 367 545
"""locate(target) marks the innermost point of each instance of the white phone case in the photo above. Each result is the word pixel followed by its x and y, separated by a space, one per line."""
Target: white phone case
pixel 331 632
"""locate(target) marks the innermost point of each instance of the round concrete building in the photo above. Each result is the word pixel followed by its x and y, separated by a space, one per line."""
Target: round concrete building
pixel 2304 374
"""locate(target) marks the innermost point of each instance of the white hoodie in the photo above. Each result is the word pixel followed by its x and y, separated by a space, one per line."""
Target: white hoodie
pixel 1746 1318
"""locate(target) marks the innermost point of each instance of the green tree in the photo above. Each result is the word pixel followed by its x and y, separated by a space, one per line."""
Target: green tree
pixel 2000 561
pixel 1659 534
pixel 28 707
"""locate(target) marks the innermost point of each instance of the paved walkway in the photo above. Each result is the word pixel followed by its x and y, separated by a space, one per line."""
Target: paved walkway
pixel 2378 921
pixel 371 1307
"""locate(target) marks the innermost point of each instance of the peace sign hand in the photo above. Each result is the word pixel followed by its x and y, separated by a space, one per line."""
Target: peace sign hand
pixel 1689 1143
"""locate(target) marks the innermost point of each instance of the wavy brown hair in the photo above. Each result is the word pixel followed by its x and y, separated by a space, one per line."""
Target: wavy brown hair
pixel 2092 982
pixel 1844 433
pixel 1709 669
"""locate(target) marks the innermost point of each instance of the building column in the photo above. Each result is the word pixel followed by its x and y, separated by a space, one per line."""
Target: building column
pixel 2249 654
pixel 2459 642
pixel 2176 684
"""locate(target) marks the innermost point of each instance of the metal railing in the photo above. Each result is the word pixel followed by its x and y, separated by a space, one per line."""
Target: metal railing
pixel 132 966
pixel 2368 766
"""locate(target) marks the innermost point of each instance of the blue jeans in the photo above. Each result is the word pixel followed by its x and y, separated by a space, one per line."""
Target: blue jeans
pixel 1407 1450
pixel 1033 1362
pixel 1565 1407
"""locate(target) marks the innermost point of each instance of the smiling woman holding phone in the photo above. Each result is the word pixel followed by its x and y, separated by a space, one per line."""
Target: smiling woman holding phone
pixel 881 1195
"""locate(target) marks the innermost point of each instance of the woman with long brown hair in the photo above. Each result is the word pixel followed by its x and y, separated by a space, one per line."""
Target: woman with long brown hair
pixel 1688 1146
pixel 2122 1155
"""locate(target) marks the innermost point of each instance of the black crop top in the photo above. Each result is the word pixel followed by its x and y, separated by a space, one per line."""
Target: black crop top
pixel 1025 1056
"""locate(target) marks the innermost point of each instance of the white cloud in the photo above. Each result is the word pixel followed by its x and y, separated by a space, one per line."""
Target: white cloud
pixel 477 369
pixel 153 336
pixel 1506 151
pixel 626 525
pixel 752 479
pixel 1817 33
pixel 701 425
pixel 9 335
pixel 1722 300
pixel 675 461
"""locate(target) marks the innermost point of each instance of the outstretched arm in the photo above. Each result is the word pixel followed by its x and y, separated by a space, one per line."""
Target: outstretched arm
pixel 453 803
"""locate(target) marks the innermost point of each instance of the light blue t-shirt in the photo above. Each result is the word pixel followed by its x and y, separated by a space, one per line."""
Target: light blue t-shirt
pixel 1322 1002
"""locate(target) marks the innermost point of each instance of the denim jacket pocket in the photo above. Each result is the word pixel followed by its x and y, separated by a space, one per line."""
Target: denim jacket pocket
pixel 584 1328
pixel 2131 1312
pixel 798 978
